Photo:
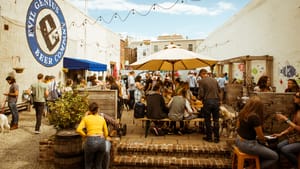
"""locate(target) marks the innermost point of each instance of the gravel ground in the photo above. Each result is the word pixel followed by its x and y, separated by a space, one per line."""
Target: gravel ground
pixel 19 149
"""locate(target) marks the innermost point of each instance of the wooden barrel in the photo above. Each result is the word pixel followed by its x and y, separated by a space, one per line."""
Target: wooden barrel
pixel 68 151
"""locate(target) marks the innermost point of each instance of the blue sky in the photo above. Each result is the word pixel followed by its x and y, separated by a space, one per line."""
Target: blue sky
pixel 194 19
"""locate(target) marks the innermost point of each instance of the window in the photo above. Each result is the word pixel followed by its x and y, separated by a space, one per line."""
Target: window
pixel 190 48
pixel 155 48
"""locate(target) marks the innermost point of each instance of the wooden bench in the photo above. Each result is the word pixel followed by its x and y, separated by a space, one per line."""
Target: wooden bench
pixel 20 106
pixel 148 122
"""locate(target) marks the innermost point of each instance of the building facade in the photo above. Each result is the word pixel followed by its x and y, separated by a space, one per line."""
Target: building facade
pixel 37 35
pixel 262 28
pixel 148 47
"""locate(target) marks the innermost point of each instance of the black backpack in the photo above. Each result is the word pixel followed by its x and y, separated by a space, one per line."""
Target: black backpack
pixel 139 110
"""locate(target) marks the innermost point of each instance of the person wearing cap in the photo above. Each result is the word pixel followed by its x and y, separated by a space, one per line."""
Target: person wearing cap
pixel 12 98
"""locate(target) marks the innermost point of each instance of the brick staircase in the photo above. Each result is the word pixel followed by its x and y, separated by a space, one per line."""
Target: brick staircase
pixel 172 156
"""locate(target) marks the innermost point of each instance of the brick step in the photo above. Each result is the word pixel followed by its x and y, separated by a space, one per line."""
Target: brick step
pixel 167 162
pixel 175 150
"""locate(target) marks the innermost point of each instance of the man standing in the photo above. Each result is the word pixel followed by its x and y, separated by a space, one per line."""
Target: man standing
pixel 12 98
pixel 222 82
pixel 192 83
pixel 209 94
pixel 40 92
pixel 131 88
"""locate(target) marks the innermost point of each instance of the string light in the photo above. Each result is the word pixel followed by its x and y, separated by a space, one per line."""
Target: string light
pixel 213 46
pixel 154 6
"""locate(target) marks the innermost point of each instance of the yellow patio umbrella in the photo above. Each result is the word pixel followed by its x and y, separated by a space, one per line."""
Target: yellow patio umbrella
pixel 173 58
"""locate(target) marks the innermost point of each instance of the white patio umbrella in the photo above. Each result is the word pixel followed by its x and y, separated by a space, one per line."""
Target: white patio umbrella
pixel 173 58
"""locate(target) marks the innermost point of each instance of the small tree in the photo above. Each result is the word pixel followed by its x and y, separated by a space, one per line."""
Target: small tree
pixel 67 111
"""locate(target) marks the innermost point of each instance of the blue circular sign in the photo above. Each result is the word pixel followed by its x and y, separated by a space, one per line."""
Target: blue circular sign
pixel 46 32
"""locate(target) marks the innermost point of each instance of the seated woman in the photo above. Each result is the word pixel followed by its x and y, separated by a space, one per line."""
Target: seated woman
pixel 290 147
pixel 195 104
pixel 250 122
pixel 167 95
pixel 176 110
pixel 179 108
pixel 292 86
pixel 263 85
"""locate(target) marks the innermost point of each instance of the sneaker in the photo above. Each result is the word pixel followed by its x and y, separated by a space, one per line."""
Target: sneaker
pixel 37 132
pixel 179 133
pixel 155 131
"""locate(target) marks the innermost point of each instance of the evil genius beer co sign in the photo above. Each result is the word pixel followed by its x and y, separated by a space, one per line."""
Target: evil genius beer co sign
pixel 46 32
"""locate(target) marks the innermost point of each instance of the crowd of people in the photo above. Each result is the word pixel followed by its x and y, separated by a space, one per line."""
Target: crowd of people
pixel 163 97
pixel 251 138
pixel 43 91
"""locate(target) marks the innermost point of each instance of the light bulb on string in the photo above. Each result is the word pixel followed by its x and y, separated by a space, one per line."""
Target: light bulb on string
pixel 136 12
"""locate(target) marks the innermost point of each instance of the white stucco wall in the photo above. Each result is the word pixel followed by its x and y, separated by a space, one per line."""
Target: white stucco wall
pixel 102 45
pixel 263 27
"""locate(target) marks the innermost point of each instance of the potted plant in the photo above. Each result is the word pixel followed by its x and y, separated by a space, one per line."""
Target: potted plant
pixel 67 111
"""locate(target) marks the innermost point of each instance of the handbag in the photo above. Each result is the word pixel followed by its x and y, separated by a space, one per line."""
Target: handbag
pixel 139 110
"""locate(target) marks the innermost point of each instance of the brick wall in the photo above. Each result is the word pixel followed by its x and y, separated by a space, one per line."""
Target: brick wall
pixel 46 152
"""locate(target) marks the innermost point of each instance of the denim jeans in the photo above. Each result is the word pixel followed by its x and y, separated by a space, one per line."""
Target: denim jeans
pixel 39 110
pixel 267 157
pixel 131 99
pixel 106 160
pixel 211 108
pixel 290 151
pixel 94 151
pixel 14 111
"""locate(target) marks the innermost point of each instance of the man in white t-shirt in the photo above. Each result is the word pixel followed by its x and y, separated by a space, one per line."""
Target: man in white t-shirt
pixel 131 88
pixel 192 83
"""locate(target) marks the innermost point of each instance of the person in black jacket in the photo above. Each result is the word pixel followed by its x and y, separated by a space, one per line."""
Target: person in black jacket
pixel 209 94
pixel 156 107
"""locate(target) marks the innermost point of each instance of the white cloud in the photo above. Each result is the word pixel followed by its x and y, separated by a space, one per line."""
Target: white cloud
pixel 179 8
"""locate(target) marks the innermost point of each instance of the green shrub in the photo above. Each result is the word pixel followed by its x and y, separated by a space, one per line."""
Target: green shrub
pixel 67 111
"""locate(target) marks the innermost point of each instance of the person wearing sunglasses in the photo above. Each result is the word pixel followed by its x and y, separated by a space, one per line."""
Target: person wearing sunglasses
pixel 290 147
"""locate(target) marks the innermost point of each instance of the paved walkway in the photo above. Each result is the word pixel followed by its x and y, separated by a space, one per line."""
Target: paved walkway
pixel 136 133
pixel 19 149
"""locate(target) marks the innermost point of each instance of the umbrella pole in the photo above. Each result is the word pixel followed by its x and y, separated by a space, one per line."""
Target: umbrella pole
pixel 173 80
pixel 173 73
